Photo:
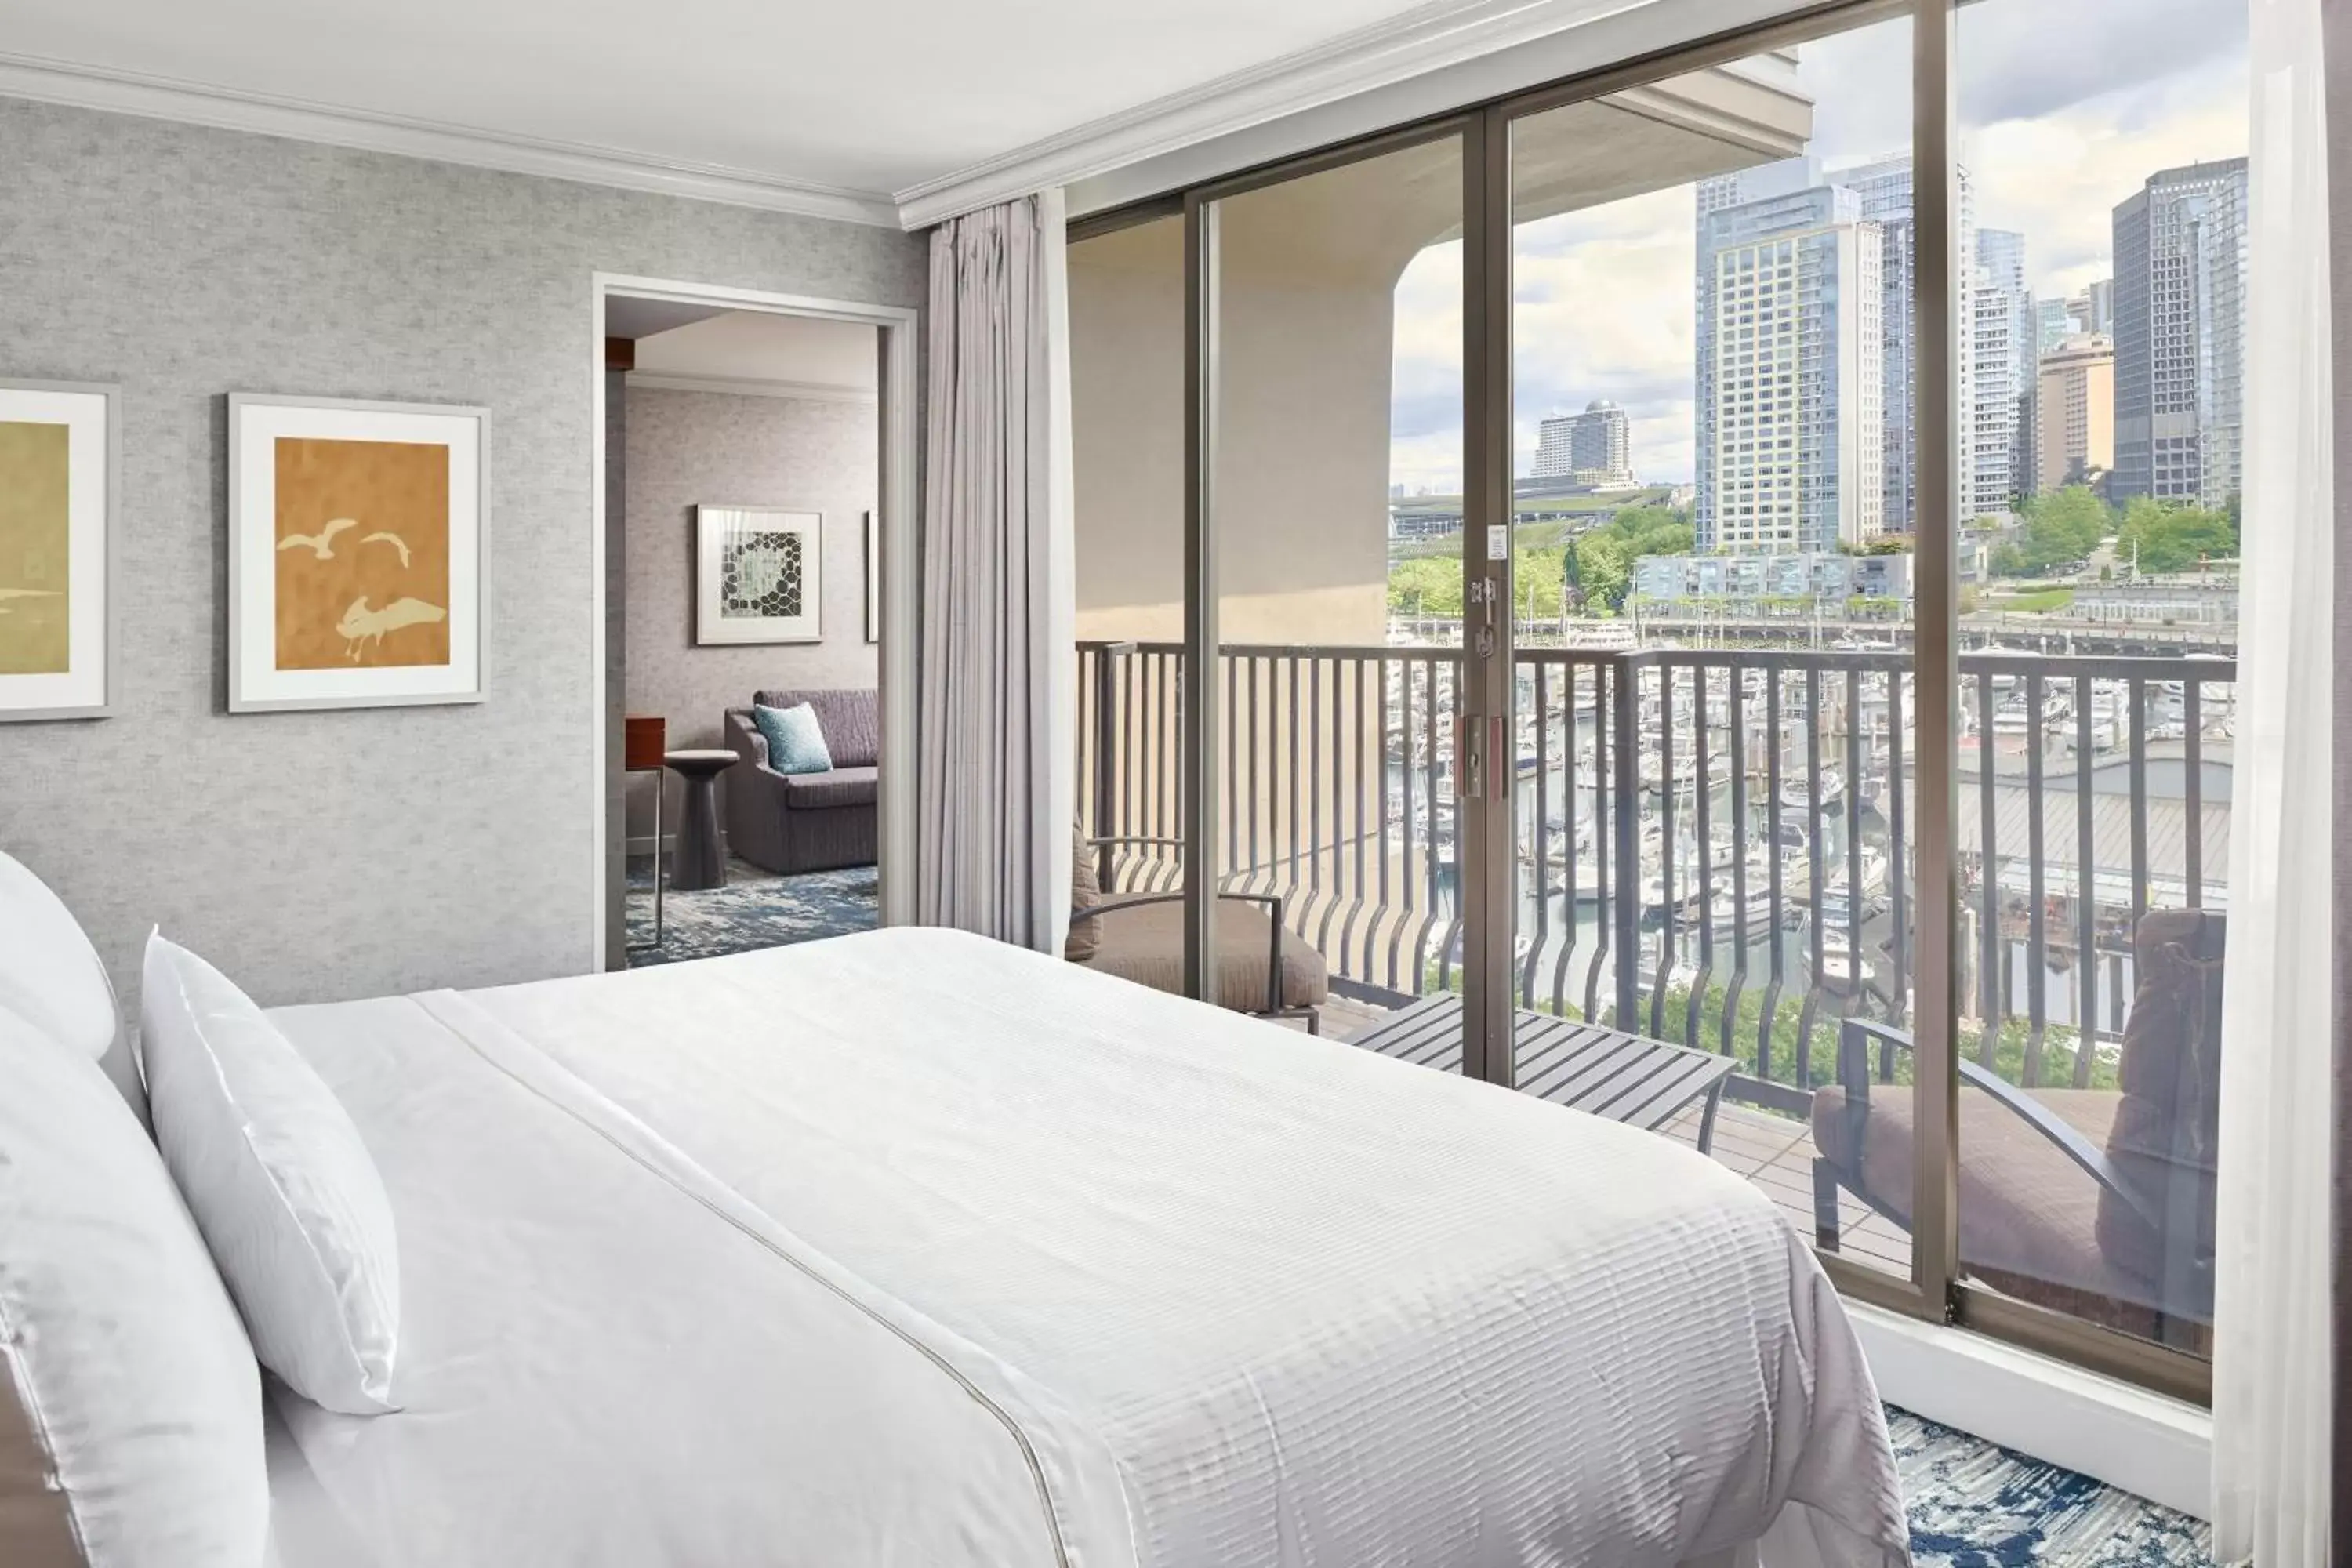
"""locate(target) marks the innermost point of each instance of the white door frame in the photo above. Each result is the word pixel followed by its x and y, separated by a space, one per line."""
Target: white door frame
pixel 896 807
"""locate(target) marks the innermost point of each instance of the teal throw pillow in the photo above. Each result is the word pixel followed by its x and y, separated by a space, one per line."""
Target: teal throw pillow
pixel 795 743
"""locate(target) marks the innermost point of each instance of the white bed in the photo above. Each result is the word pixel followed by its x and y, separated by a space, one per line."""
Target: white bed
pixel 914 1249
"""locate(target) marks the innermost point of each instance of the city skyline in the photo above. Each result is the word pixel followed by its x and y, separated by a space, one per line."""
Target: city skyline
pixel 2055 140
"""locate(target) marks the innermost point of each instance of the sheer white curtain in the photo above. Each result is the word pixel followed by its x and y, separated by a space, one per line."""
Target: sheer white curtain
pixel 996 737
pixel 2271 1359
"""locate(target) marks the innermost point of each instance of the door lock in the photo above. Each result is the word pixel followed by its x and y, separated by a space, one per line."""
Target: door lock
pixel 1478 592
pixel 1481 765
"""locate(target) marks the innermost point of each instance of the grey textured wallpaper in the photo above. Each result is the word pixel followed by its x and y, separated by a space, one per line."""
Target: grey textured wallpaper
pixel 689 447
pixel 315 856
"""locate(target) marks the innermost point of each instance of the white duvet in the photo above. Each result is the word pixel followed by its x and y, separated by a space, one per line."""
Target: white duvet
pixel 914 1249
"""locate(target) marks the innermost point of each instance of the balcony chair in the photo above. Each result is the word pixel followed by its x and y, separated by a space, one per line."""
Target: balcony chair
pixel 2096 1203
pixel 1263 968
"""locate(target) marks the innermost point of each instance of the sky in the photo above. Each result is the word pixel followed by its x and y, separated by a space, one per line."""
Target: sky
pixel 2065 108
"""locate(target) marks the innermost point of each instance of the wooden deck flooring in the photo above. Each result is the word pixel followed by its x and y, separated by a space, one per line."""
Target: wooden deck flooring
pixel 1774 1152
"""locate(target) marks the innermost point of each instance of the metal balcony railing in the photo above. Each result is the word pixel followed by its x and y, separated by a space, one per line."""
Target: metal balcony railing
pixel 1715 844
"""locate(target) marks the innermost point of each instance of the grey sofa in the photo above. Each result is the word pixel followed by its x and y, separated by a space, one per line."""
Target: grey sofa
pixel 806 822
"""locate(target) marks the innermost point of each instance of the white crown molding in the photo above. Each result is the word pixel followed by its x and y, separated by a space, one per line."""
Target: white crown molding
pixel 163 97
pixel 752 386
pixel 1428 38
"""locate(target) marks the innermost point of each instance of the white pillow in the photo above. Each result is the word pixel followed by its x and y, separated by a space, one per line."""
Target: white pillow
pixel 49 974
pixel 130 1429
pixel 291 1205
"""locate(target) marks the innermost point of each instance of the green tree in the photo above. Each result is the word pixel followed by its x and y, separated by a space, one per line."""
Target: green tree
pixel 2172 536
pixel 1604 568
pixel 1595 567
pixel 1431 586
pixel 2060 529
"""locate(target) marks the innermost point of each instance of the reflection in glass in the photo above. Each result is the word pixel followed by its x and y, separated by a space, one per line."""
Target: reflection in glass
pixel 2103 427
pixel 1339 420
pixel 1714 495
pixel 1127 379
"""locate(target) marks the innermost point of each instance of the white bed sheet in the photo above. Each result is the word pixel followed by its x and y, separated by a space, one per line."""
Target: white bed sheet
pixel 305 1528
pixel 598 1365
pixel 1226 1294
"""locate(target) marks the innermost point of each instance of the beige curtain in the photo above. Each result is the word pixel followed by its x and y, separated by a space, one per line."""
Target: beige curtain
pixel 999 675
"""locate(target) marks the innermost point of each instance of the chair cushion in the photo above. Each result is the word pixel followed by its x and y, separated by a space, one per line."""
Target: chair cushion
pixel 2029 1216
pixel 2169 1123
pixel 1086 893
pixel 1145 944
pixel 820 792
pixel 795 740
pixel 851 720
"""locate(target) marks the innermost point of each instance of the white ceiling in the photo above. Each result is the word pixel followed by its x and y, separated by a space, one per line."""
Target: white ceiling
pixel 866 100
pixel 804 353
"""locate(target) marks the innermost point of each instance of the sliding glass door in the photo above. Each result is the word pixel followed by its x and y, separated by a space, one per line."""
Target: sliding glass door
pixel 1345 767
pixel 1705 593
pixel 1716 524
pixel 2101 455
pixel 1127 373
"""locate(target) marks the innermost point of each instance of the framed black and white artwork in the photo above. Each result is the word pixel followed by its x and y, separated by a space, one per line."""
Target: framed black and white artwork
pixel 758 576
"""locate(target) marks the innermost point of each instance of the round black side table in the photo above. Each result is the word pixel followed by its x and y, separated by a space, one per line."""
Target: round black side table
pixel 699 860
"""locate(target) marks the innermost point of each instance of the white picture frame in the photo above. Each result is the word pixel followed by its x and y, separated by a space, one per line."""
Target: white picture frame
pixel 91 415
pixel 759 575
pixel 259 679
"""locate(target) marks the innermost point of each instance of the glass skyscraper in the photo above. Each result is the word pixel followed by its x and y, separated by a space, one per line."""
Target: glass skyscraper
pixel 2179 332
pixel 2004 347
pixel 1790 379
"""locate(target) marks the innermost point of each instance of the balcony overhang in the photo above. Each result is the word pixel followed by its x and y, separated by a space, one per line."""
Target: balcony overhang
pixel 1362 221
pixel 1659 136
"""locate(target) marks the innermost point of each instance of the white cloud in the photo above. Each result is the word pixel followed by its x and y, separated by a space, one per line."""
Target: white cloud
pixel 1603 311
pixel 2058 178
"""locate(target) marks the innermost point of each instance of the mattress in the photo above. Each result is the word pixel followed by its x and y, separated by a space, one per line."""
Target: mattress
pixel 911 1247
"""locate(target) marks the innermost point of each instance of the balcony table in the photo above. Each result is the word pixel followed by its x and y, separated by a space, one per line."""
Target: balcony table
pixel 1625 1078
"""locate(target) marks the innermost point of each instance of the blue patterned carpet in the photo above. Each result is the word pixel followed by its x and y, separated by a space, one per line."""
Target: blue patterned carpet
pixel 756 909
pixel 1972 1505
pixel 1976 1506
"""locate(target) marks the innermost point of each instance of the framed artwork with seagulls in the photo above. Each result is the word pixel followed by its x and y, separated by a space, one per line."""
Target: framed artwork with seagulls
pixel 359 548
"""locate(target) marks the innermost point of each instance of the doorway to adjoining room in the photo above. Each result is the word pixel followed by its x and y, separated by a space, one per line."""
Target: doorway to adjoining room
pixel 743 481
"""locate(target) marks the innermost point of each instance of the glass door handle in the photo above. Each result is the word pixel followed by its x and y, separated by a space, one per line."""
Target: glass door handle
pixel 1481 765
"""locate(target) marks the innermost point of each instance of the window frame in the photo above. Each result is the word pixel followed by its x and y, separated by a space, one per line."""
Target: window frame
pixel 1935 1290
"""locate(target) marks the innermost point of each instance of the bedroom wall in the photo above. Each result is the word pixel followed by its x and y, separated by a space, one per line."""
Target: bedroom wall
pixel 316 856
pixel 691 448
